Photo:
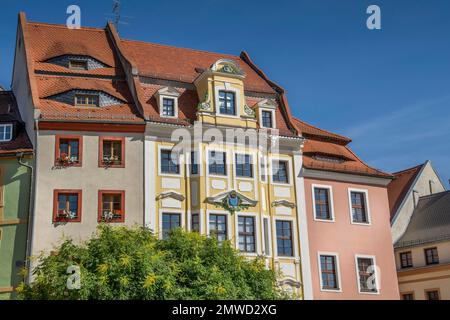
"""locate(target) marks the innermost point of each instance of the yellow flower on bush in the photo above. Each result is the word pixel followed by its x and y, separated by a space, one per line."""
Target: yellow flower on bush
pixel 20 288
pixel 149 281
pixel 220 290
pixel 124 281
pixel 103 268
pixel 125 260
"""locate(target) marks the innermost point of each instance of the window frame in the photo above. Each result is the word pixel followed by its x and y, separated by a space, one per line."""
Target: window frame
pixel 58 139
pixel 330 202
pixel 191 222
pixel 85 62
pixel 252 167
pixel 100 205
pixel 56 194
pixel 292 238
pixel 403 294
pixel 180 163
pixel 164 99
pixel 7 125
pixel 256 232
pixel 85 95
pixel 168 93
pixel 427 291
pixel 337 271
pixel 288 173
pixel 400 255
pixel 228 222
pixel 263 169
pixel 218 175
pixel 101 163
pixel 377 278
pixel 226 92
pixel 366 199
pixel 162 222
pixel 426 257
pixel 273 118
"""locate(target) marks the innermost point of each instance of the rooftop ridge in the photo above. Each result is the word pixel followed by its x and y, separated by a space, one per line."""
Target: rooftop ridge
pixel 409 169
pixel 63 26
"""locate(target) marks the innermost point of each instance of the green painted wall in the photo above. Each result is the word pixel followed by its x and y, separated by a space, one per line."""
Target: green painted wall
pixel 16 184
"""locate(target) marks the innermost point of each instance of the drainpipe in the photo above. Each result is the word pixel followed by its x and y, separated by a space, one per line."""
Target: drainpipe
pixel 30 212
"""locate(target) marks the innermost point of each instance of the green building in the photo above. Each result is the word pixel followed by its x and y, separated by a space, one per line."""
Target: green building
pixel 16 160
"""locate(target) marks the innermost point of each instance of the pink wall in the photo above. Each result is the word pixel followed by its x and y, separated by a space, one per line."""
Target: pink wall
pixel 347 240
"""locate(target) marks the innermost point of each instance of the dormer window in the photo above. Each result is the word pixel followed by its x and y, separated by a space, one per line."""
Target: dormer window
pixel 167 99
pixel 86 100
pixel 78 64
pixel 267 119
pixel 6 132
pixel 267 114
pixel 168 107
pixel 227 102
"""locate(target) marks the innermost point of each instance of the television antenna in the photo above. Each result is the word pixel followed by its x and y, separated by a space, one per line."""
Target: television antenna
pixel 116 13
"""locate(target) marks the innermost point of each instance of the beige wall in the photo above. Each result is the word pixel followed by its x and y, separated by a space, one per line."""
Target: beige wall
pixel 422 188
pixel 89 178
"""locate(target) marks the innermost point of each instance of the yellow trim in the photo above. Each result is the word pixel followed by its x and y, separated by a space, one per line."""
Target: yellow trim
pixel 12 222
pixel 425 279
pixel 426 269
pixel 7 290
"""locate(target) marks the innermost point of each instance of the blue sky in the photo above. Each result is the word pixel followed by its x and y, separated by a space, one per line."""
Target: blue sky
pixel 388 89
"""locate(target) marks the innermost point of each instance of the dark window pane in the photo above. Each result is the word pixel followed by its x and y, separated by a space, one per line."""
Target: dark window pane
pixel 218 227
pixel 217 163
pixel 267 121
pixel 244 167
pixel 359 210
pixel 284 238
pixel 168 107
pixel 280 171
pixel 227 103
pixel 169 165
pixel 246 230
pixel 170 221
pixel 321 197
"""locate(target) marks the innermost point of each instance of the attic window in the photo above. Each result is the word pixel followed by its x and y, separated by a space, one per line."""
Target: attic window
pixel 6 132
pixel 78 64
pixel 328 158
pixel 87 100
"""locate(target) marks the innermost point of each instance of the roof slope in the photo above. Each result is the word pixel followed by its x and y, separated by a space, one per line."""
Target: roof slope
pixel 9 113
pixel 399 187
pixel 328 151
pixel 430 221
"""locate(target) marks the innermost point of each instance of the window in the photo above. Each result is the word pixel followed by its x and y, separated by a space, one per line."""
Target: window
pixel 408 296
pixel 244 166
pixel 112 152
pixel 170 221
pixel 406 259
pixel 267 119
pixel 170 163
pixel 217 163
pixel 67 206
pixel 68 150
pixel 432 294
pixel 431 256
pixel 263 169
pixel 227 103
pixel 366 275
pixel 322 205
pixel 284 239
pixel 266 237
pixel 218 227
pixel 194 162
pixel 78 64
pixel 359 207
pixel 86 100
pixel 246 233
pixel 280 171
pixel 328 272
pixel 6 132
pixel 168 109
pixel 111 206
pixel 195 222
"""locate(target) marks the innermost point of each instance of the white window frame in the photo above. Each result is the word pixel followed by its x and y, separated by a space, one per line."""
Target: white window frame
pixel 189 220
pixel 167 93
pixel 377 279
pixel 175 211
pixel 330 198
pixel 338 271
pixel 258 245
pixel 7 125
pixel 272 111
pixel 227 164
pixel 294 237
pixel 289 169
pixel 220 212
pixel 252 157
pixel 237 96
pixel 366 194
pixel 180 162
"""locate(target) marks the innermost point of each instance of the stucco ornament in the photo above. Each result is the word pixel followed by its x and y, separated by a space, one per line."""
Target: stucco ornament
pixel 206 104
pixel 232 201
pixel 249 111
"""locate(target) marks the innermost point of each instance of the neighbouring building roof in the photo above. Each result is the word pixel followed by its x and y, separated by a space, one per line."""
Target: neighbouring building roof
pixel 9 113
pixel 324 150
pixel 399 187
pixel 430 221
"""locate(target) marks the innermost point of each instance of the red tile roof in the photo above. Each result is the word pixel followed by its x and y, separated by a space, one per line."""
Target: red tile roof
pixel 311 131
pixel 9 113
pixel 400 186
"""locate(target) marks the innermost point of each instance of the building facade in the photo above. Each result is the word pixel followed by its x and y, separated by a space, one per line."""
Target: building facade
pixel 421 233
pixel 16 161
pixel 135 133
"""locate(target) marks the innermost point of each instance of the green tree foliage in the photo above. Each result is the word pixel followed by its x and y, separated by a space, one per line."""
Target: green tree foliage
pixel 123 263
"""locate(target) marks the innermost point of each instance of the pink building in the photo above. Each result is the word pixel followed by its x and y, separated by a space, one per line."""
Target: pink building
pixel 350 243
